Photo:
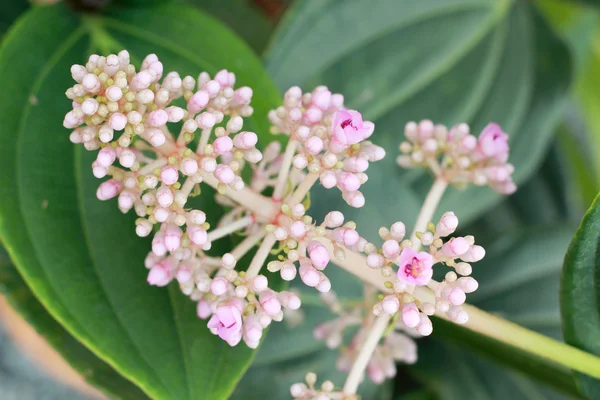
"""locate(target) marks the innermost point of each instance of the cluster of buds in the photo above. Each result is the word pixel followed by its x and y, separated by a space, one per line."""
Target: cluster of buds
pixel 397 346
pixel 309 390
pixel 415 268
pixel 304 243
pixel 459 157
pixel 129 115
pixel 330 141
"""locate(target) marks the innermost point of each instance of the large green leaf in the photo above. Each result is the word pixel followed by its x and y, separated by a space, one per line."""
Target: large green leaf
pixel 95 371
pixel 451 61
pixel 79 256
pixel 580 292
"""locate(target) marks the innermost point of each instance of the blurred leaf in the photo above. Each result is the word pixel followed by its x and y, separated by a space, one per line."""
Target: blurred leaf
pixel 95 371
pixel 243 17
pixel 580 288
pixel 80 256
pixel 10 11
pixel 475 61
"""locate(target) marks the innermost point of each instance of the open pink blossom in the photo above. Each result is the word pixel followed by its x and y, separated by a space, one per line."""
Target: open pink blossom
pixel 415 267
pixel 227 323
pixel 493 142
pixel 348 127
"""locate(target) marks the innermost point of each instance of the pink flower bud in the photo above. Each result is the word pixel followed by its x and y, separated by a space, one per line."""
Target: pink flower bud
pixel 224 173
pixel 169 175
pixel 159 275
pixel 189 166
pixel 375 260
pixel 313 115
pixel 197 234
pixel 158 245
pixel 455 247
pixel 415 268
pixel 309 275
pixel 390 248
pixel 474 254
pixel 158 118
pixel 141 80
pixel 161 214
pixel 219 286
pixel 126 200
pixel 242 95
pixel 297 229
pixel 348 127
pixel 245 140
pixel 313 145
pixel 328 179
pixel 390 305
pixel 455 296
pixel 203 309
pixel 89 106
pixel 198 101
pixel 252 332
pixel 288 272
pixel 322 99
pixel 117 121
pixel 356 164
pixel 269 303
pixel 109 189
pixel 319 256
pixel 493 142
pixel 260 283
pixel 354 199
pixel 222 145
pixel 156 137
pixel 106 156
pixel 348 181
pixel 175 114
pixel 334 219
pixel 346 236
pixel 91 83
pixel 183 274
pixel 447 225
pixel 324 284
pixel 164 196
pixel 227 323
pixel 114 93
pixel 127 158
pixel 289 300
pixel 410 315
pixel 172 238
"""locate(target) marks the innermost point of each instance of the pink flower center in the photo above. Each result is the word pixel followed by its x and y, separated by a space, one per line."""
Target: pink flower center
pixel 415 268
pixel 347 122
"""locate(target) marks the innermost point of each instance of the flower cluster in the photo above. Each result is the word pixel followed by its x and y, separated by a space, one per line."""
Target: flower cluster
pixel 309 390
pixel 415 268
pixel 129 116
pixel 397 346
pixel 459 157
pixel 330 139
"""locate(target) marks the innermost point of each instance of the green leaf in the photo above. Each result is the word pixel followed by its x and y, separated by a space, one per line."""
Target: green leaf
pixel 10 11
pixel 81 257
pixel 243 17
pixel 579 293
pixel 95 371
pixel 451 61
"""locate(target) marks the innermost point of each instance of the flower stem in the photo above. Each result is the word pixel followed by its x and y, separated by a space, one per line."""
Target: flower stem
pixel 367 349
pixel 286 163
pixel 303 188
pixel 230 228
pixel 381 323
pixel 245 245
pixel 261 256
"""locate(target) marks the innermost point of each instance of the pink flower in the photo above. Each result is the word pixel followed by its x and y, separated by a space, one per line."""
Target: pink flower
pixel 493 142
pixel 227 323
pixel 319 256
pixel 349 128
pixel 415 267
